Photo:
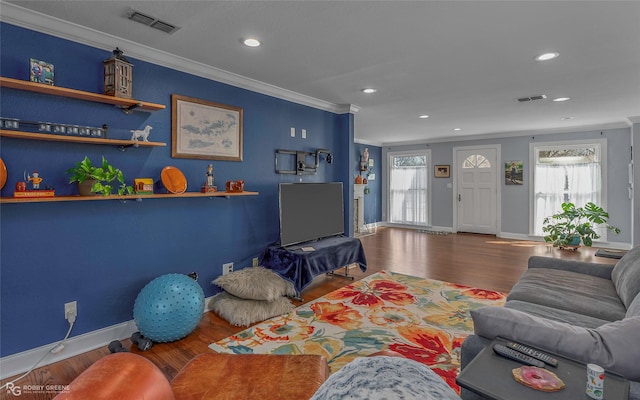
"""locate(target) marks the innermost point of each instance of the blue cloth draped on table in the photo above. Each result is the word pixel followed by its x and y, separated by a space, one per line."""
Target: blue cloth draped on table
pixel 300 266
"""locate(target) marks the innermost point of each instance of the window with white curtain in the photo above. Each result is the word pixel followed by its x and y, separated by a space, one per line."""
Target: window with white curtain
pixel 566 172
pixel 408 188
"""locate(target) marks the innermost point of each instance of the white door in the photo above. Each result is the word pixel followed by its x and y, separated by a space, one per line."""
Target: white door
pixel 476 177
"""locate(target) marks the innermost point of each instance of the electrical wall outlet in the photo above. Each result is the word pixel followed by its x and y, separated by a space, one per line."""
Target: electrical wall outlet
pixel 255 262
pixel 71 310
pixel 227 268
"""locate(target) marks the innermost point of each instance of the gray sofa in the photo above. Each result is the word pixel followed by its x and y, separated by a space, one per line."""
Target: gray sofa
pixel 588 312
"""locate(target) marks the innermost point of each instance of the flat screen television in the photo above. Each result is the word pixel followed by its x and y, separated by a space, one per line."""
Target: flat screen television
pixel 310 211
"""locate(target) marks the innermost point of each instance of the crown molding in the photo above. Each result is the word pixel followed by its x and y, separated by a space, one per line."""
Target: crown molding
pixel 22 17
pixel 348 109
pixel 500 135
pixel 634 120
pixel 367 142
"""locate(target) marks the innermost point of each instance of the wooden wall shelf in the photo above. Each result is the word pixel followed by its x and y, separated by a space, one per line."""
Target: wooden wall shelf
pixel 79 94
pixel 137 197
pixel 77 139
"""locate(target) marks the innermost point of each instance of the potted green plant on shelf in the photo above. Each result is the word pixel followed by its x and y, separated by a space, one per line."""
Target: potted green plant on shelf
pixel 92 179
pixel 575 225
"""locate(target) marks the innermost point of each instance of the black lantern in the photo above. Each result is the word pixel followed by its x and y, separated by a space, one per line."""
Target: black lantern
pixel 118 76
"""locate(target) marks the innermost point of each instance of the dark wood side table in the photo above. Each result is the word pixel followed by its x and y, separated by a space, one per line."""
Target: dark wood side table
pixel 490 376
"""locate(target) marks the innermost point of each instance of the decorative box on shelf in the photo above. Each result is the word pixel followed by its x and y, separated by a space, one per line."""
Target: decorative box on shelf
pixel 143 185
pixel 208 189
pixel 234 186
pixel 34 193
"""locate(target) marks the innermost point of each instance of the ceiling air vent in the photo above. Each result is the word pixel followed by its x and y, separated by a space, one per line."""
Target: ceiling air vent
pixel 151 21
pixel 163 26
pixel 531 98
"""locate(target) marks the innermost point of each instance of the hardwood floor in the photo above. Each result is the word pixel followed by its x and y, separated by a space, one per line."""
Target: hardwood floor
pixel 481 261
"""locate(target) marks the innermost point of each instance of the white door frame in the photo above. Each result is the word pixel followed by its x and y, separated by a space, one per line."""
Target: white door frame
pixel 499 179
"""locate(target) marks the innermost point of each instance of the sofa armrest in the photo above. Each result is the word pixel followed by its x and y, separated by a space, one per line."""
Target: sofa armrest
pixel 613 346
pixel 581 267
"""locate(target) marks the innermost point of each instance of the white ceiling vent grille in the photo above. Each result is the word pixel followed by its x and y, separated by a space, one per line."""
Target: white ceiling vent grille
pixel 152 21
pixel 531 98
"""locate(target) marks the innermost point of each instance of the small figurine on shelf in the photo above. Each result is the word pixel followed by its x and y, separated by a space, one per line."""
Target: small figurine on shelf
pixel 143 133
pixel 208 185
pixel 35 180
pixel 210 175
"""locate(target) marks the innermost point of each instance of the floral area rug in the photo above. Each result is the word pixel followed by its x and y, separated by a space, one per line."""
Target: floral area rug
pixel 425 320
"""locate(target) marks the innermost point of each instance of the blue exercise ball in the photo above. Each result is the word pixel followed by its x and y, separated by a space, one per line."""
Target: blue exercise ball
pixel 169 307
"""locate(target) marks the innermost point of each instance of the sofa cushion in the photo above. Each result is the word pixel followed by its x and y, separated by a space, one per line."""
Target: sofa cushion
pixel 626 276
pixel 571 291
pixel 614 346
pixel 556 314
pixel 581 267
pixel 634 308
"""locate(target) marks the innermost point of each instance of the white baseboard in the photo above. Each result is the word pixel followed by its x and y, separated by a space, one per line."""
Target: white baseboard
pixel 416 227
pixel 21 362
pixel 531 238
pixel 519 236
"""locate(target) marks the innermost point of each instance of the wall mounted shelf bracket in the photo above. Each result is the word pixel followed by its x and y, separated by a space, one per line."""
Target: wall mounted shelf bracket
pixel 302 167
pixel 129 109
pixel 124 147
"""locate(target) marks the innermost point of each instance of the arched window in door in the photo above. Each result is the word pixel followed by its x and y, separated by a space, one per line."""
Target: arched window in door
pixel 476 161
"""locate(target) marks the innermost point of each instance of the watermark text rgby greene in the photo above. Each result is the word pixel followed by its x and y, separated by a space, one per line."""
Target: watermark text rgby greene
pixel 18 390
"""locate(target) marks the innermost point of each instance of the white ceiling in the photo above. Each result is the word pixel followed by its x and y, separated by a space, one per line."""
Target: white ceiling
pixel 461 62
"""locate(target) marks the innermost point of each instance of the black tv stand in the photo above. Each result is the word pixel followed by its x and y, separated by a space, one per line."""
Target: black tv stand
pixel 302 262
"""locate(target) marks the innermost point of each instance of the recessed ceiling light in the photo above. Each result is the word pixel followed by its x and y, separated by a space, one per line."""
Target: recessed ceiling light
pixel 559 99
pixel 251 42
pixel 457 129
pixel 424 116
pixel 369 90
pixel 546 56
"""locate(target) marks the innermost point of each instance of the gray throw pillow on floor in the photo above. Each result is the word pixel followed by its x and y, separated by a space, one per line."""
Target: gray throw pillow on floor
pixel 243 312
pixel 255 283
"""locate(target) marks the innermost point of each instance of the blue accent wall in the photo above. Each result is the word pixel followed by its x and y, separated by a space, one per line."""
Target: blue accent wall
pixel 101 253
pixel 373 199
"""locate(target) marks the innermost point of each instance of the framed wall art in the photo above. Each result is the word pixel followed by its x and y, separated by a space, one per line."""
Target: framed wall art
pixel 205 130
pixel 441 171
pixel 513 172
pixel 41 71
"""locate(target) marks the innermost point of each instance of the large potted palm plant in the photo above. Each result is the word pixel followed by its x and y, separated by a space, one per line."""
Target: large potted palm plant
pixel 575 225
